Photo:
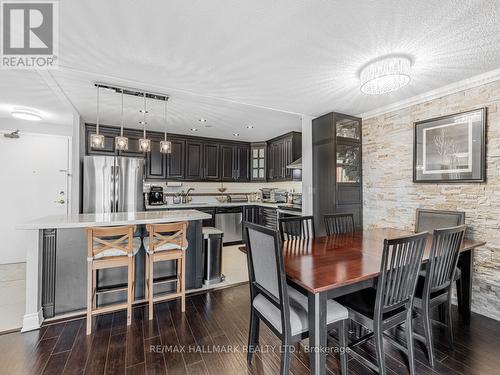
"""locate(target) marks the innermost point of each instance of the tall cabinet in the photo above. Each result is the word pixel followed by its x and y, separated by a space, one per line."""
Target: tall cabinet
pixel 337 166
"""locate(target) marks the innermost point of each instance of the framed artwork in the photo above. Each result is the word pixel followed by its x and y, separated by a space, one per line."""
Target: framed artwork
pixel 451 148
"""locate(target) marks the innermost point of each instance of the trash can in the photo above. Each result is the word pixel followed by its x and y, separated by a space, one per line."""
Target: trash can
pixel 212 253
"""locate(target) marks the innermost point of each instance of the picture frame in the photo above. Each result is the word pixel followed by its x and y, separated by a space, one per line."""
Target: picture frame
pixel 451 148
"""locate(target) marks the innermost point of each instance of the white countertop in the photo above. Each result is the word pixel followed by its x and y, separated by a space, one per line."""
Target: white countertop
pixel 172 206
pixel 119 218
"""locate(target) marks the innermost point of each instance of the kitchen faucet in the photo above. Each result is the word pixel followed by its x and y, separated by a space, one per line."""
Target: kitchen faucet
pixel 185 195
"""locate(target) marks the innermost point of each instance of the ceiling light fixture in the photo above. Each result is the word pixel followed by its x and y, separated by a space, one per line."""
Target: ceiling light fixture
pixel 249 126
pixel 236 134
pixel 202 120
pixel 97 140
pixel 165 146
pixel 26 115
pixel 385 75
pixel 143 111
pixel 144 143
pixel 121 142
pixel 194 129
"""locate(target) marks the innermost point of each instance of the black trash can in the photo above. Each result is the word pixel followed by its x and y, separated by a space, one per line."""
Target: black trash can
pixel 212 254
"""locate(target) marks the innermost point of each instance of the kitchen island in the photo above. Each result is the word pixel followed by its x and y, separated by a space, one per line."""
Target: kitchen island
pixel 56 262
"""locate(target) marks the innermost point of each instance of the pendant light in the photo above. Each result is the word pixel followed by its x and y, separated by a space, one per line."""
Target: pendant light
pixel 165 146
pixel 144 143
pixel 97 140
pixel 121 142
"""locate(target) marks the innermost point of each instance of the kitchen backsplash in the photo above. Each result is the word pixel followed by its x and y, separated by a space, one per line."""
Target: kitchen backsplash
pixel 231 187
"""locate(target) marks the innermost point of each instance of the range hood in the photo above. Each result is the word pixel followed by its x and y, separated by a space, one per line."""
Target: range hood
pixel 297 164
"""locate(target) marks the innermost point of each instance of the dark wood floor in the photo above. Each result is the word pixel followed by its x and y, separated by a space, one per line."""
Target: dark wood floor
pixel 213 320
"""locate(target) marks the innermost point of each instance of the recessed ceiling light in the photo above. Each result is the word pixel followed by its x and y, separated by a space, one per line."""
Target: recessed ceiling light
pixel 202 120
pixel 194 129
pixel 385 75
pixel 236 134
pixel 26 115
pixel 249 126
pixel 143 122
pixel 143 111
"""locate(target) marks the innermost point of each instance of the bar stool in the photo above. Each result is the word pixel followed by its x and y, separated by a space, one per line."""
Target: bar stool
pixel 166 242
pixel 110 247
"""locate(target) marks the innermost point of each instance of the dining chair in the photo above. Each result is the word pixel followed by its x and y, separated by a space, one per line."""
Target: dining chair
pixel 434 289
pixel 428 220
pixel 110 247
pixel 299 227
pixel 390 303
pixel 280 306
pixel 341 223
pixel 167 242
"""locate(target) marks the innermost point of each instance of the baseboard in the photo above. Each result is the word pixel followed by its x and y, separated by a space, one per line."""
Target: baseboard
pixel 32 321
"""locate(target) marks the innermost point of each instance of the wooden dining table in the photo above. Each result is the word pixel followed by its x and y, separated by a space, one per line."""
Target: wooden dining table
pixel 330 267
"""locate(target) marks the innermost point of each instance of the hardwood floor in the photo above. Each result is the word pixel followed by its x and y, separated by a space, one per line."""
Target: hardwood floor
pixel 209 339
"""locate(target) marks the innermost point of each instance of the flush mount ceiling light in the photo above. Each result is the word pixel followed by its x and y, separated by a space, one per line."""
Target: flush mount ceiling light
pixel 249 126
pixel 194 129
pixel 202 120
pixel 385 75
pixel 236 134
pixel 26 115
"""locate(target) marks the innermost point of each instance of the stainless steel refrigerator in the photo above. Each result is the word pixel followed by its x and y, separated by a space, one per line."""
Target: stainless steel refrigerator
pixel 112 184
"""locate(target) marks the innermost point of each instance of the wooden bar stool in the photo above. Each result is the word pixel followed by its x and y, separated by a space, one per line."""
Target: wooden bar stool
pixel 110 247
pixel 166 242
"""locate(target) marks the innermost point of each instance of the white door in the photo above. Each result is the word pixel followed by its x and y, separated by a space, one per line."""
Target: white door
pixel 34 182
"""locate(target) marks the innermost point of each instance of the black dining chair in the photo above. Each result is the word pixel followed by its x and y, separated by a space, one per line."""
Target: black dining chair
pixel 390 303
pixel 299 227
pixel 280 306
pixel 434 289
pixel 339 223
pixel 428 220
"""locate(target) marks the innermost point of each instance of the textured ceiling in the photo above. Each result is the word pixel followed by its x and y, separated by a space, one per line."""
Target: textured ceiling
pixel 290 55
pixel 22 89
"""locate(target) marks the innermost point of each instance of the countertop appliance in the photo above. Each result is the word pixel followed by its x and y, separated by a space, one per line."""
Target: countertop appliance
pixel 229 220
pixel 112 184
pixel 273 195
pixel 237 198
pixel 155 195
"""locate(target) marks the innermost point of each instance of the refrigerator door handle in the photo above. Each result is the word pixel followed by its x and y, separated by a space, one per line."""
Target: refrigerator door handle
pixel 117 188
pixel 112 187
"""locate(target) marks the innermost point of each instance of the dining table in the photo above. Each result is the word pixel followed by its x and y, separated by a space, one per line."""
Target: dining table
pixel 332 266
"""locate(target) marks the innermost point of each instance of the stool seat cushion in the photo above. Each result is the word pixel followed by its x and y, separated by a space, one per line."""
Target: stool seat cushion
pixel 115 252
pixel 299 317
pixel 164 247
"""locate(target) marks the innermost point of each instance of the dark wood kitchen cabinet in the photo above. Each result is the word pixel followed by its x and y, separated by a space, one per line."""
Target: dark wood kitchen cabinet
pixel 282 151
pixel 337 166
pixel 211 159
pixel 206 159
pixel 194 161
pixel 176 159
pixel 156 162
pixel 234 162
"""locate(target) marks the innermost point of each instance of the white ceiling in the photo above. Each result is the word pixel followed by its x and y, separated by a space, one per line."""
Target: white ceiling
pixel 231 61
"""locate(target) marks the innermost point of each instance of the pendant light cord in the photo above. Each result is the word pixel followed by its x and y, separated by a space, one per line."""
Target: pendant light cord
pixel 144 116
pixel 121 130
pixel 97 117
pixel 165 120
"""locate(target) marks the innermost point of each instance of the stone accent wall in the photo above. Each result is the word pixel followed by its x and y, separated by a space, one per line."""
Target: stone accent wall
pixel 390 196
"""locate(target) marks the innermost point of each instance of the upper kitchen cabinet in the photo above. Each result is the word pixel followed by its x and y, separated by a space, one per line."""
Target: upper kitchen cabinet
pixel 175 160
pixel 234 162
pixel 194 161
pixel 282 151
pixel 258 152
pixel 337 163
pixel 211 159
pixel 156 162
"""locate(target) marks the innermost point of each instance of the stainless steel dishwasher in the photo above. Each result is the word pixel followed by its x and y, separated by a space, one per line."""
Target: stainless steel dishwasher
pixel 229 220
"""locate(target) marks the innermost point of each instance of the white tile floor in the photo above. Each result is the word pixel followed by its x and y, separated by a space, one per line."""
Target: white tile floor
pixel 12 295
